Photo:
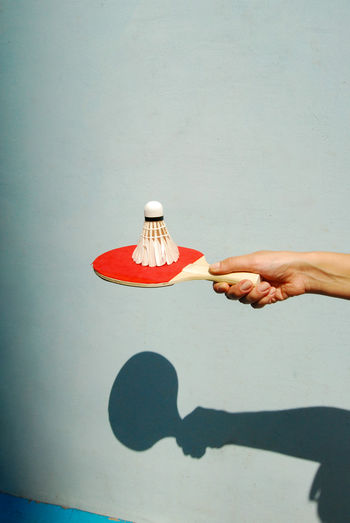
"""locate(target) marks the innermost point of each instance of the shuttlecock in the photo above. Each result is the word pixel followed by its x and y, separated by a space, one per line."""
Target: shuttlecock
pixel 155 247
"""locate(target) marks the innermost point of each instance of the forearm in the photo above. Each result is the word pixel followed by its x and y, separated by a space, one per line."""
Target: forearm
pixel 328 273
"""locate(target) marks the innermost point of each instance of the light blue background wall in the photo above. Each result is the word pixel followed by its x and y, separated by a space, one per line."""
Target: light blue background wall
pixel 235 115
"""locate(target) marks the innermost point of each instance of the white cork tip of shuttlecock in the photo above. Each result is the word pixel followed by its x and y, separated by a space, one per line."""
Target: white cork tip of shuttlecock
pixel 155 247
pixel 153 210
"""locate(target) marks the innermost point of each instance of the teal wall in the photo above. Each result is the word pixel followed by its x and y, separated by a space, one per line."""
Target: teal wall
pixel 235 115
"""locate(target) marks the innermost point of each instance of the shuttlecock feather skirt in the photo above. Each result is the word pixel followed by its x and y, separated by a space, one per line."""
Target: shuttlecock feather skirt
pixel 155 247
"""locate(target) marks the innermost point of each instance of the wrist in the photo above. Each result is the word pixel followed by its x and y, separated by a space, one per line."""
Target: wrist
pixel 327 273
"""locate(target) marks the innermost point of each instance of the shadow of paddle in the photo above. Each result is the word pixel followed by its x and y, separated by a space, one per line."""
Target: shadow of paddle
pixel 143 410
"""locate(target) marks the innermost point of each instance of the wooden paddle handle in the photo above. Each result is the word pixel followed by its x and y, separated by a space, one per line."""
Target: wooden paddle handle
pixel 235 277
pixel 199 270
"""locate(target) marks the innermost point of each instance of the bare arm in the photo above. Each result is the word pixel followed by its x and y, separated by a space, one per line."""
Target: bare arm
pixel 286 274
pixel 329 274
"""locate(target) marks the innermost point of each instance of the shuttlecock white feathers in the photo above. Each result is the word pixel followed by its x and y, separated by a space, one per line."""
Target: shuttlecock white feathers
pixel 155 247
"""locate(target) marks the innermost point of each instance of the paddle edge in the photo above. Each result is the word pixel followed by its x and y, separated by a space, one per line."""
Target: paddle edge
pixel 131 283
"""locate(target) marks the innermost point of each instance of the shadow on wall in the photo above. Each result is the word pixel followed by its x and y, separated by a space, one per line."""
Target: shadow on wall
pixel 143 410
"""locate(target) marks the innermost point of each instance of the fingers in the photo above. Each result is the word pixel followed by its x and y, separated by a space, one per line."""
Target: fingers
pixel 248 294
pixel 257 296
pixel 266 300
pixel 221 288
pixel 244 263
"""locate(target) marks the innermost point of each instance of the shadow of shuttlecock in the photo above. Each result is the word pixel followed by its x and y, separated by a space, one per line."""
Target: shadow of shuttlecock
pixel 143 410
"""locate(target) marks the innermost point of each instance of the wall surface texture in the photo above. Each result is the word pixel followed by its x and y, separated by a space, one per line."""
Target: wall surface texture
pixel 235 115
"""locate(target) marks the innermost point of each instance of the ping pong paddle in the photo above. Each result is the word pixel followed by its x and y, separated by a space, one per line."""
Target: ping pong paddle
pixel 117 266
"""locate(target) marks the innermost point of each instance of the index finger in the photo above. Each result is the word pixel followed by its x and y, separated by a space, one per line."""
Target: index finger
pixel 221 288
pixel 236 291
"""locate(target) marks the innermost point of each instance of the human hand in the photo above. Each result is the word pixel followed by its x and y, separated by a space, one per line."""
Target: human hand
pixel 284 274
pixel 204 428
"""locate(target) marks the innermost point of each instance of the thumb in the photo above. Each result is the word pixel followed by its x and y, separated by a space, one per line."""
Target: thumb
pixel 233 264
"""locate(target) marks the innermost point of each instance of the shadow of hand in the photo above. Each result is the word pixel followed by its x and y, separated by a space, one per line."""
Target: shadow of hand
pixel 203 428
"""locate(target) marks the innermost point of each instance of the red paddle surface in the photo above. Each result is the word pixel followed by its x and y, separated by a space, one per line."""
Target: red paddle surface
pixel 119 265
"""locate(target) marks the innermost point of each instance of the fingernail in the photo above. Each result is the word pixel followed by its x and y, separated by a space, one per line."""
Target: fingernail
pixel 263 286
pixel 245 286
pixel 215 266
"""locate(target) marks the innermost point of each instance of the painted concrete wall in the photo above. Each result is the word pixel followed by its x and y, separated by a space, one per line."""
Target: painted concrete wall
pixel 234 114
